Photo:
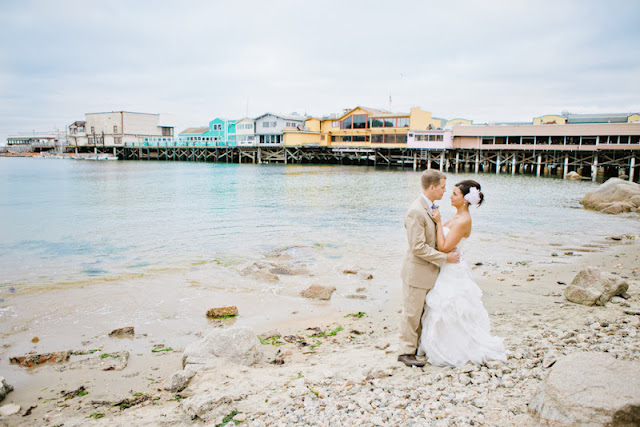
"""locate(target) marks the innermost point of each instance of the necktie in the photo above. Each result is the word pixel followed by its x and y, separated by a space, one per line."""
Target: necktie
pixel 433 206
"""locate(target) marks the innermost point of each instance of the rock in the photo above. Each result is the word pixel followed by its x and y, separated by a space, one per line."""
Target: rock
pixel 240 418
pixel 35 340
pixel 574 175
pixel 222 312
pixel 115 361
pixel 591 286
pixel 366 276
pixel 613 197
pixel 318 292
pixel 379 373
pixel 589 389
pixel 4 388
pixel 237 344
pixel 9 409
pixel 209 406
pixel 127 331
pixel 356 296
pixel 382 345
pixel 179 380
pixel 350 271
pixel 30 360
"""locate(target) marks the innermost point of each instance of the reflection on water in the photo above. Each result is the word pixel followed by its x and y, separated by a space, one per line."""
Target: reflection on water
pixel 64 222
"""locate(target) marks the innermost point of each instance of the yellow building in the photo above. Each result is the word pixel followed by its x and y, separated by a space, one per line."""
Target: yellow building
pixel 458 122
pixel 363 127
pixel 633 118
pixel 550 120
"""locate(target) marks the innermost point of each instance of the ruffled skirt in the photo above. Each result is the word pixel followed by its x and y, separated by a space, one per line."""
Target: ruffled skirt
pixel 455 325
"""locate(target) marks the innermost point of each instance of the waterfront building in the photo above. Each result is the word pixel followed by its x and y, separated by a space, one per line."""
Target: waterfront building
pixel 430 139
pixel 270 128
pixel 221 133
pixel 193 137
pixel 365 127
pixel 574 133
pixel 118 128
pixel 245 132
pixel 453 122
pixel 77 133
pixel 36 141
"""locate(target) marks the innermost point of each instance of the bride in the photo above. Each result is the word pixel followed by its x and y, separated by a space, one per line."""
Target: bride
pixel 455 323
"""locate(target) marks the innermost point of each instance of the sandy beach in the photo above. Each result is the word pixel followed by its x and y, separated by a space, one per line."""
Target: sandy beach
pixel 346 371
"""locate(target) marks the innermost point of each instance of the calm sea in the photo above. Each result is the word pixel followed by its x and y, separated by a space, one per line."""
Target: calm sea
pixel 66 223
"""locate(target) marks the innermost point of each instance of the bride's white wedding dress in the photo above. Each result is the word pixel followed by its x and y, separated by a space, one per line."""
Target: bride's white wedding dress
pixel 455 326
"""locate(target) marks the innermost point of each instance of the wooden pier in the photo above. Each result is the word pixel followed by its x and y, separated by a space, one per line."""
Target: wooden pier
pixel 595 165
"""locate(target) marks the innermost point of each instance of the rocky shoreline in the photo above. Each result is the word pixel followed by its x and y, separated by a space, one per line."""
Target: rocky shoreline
pixel 342 370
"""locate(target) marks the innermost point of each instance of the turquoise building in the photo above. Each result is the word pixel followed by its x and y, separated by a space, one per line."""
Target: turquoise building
pixel 221 133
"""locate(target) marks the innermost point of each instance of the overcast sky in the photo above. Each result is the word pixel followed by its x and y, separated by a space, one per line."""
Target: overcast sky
pixel 486 61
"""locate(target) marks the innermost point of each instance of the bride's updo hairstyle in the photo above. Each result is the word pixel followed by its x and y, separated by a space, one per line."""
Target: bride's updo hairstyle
pixel 470 186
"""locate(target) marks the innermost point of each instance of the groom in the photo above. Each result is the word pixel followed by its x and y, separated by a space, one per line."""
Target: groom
pixel 421 263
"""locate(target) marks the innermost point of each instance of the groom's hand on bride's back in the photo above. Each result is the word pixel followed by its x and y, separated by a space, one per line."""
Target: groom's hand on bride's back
pixel 453 257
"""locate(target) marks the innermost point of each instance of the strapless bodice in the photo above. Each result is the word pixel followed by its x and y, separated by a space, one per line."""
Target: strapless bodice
pixel 460 244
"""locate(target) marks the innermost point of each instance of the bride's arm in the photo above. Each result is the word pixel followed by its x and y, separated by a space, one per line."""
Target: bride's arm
pixel 457 231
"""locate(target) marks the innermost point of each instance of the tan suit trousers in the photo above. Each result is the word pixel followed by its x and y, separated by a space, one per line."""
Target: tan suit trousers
pixel 411 324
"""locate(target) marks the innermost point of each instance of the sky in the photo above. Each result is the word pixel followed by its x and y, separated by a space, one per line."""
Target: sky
pixel 486 61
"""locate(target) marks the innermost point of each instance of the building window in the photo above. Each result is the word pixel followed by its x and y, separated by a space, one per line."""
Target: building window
pixel 376 123
pixel 403 122
pixel 346 123
pixel 401 138
pixel 93 129
pixel 486 141
pixel 390 122
pixel 335 124
pixel 360 121
pixel 357 121
pixel 390 138
pixel 377 138
pixel 541 140
pixel 115 129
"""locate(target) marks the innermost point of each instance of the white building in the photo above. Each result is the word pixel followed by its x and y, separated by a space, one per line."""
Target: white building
pixel 246 132
pixel 269 128
pixel 118 128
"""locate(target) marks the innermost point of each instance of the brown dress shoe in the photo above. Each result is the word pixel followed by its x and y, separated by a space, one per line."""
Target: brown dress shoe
pixel 410 360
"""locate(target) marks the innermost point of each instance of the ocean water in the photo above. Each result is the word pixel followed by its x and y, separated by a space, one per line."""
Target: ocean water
pixel 66 223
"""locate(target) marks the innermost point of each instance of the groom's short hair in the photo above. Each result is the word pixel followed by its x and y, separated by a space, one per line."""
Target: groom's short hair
pixel 431 177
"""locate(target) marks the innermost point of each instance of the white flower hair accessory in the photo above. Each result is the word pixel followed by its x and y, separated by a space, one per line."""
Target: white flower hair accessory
pixel 473 196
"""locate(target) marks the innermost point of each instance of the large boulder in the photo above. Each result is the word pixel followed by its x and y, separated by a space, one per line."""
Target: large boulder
pixel 4 388
pixel 589 389
pixel 613 197
pixel 237 344
pixel 594 287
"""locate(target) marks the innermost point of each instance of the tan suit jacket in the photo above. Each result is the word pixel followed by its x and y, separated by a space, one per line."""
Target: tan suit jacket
pixel 422 262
